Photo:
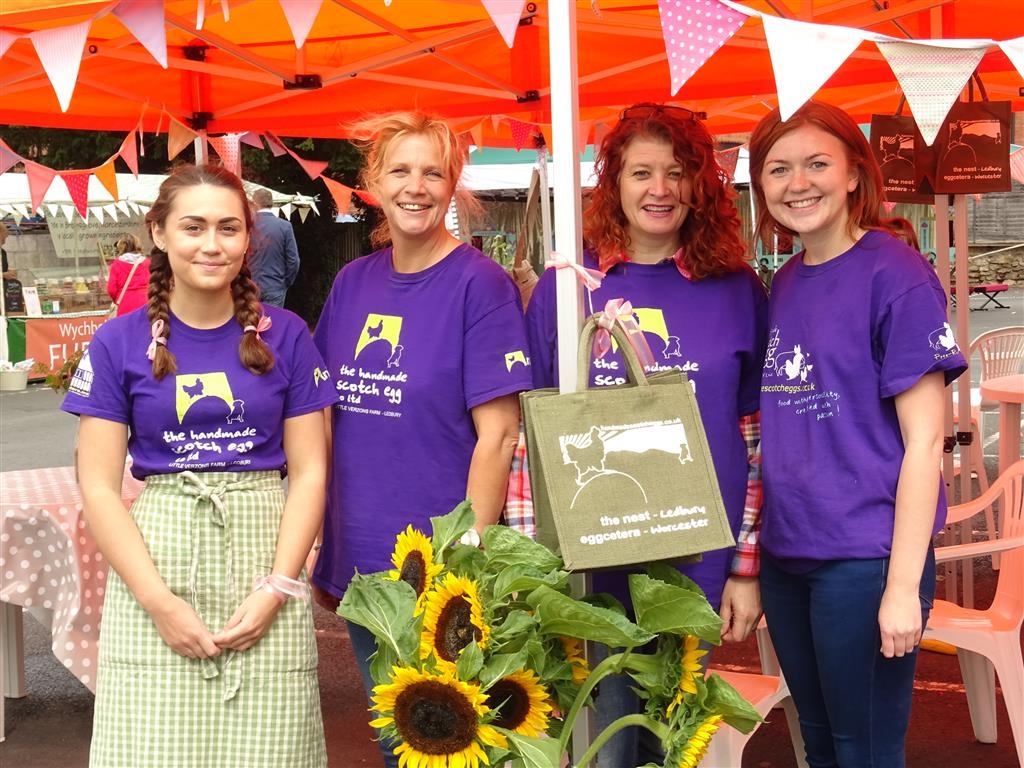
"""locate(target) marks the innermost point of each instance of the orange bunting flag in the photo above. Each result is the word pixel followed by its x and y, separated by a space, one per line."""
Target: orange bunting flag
pixel 78 186
pixel 313 168
pixel 107 176
pixel 179 136
pixel 366 197
pixel 39 180
pixel 129 153
pixel 342 195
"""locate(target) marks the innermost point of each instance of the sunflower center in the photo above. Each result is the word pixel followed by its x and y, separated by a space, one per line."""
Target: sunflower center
pixel 414 571
pixel 455 628
pixel 435 719
pixel 511 703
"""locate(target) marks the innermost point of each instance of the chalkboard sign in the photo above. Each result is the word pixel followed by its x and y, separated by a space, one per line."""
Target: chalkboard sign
pixel 14 302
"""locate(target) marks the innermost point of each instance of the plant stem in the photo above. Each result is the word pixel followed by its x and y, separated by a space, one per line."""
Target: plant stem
pixel 658 729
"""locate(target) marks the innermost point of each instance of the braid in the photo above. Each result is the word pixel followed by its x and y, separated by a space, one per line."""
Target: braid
pixel 160 279
pixel 252 350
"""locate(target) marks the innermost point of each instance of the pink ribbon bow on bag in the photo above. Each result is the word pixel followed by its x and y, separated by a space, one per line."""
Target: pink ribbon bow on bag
pixel 621 311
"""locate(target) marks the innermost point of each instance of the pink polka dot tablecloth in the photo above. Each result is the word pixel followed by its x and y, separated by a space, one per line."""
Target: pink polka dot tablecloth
pixel 49 560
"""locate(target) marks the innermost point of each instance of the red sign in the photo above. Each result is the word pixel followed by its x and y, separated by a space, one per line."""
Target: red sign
pixel 50 340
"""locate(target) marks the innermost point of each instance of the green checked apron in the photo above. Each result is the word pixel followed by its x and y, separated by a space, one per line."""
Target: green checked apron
pixel 210 535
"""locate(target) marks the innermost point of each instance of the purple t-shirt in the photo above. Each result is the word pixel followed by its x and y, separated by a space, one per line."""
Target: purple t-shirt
pixel 846 337
pixel 411 355
pixel 713 329
pixel 213 414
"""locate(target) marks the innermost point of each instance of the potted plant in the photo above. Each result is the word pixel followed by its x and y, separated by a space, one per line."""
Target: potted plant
pixel 479 652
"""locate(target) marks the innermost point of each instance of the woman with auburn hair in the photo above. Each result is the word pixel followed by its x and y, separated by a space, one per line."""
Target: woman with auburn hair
pixel 663 227
pixel 425 338
pixel 201 648
pixel 859 353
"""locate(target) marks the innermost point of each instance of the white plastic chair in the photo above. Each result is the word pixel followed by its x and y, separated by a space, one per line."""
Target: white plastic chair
pixel 988 641
pixel 1000 353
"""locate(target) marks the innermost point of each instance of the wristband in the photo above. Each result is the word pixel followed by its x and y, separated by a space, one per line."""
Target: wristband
pixel 281 587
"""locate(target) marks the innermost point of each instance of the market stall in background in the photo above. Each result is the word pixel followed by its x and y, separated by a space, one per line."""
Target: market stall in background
pixel 57 297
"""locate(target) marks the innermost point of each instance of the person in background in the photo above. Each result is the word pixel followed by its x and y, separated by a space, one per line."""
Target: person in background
pixel 851 405
pixel 663 227
pixel 205 657
pixel 274 255
pixel 128 281
pixel 8 273
pixel 425 338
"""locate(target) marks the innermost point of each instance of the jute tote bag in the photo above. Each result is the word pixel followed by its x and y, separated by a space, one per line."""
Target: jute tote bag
pixel 622 475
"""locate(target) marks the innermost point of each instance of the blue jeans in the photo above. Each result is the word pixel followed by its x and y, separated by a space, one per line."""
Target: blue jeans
pixel 364 645
pixel 854 704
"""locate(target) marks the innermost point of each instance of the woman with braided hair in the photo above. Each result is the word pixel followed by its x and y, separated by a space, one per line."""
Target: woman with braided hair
pixel 204 659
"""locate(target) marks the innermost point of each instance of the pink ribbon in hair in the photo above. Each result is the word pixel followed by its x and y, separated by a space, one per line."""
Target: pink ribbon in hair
pixel 621 311
pixel 590 278
pixel 263 325
pixel 157 333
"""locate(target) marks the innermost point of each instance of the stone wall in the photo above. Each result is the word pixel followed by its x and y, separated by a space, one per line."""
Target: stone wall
pixel 1004 267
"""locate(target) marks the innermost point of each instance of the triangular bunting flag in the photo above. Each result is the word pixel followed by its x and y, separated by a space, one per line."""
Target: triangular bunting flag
pixel 252 139
pixel 300 15
pixel 52 209
pixel 505 14
pixel 888 205
pixel 286 209
pixel 601 130
pixel 694 30
pixel 78 187
pixel 477 134
pixel 129 154
pixel 313 168
pixel 931 77
pixel 60 52
pixel 23 212
pixel 1014 50
pixel 111 211
pixel 8 157
pixel 227 150
pixel 124 207
pixel 145 20
pixel 312 205
pixel 303 213
pixel 68 211
pixel 366 197
pixel 792 44
pixel 583 133
pixel 341 194
pixel 727 161
pixel 521 133
pixel 39 180
pixel 107 176
pixel 6 41
pixel 276 147
pixel 1017 166
pixel 96 211
pixel 179 136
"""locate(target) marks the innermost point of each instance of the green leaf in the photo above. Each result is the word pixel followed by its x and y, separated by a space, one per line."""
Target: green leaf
pixel 470 661
pixel 449 528
pixel 562 615
pixel 382 664
pixel 505 546
pixel 662 607
pixel 523 578
pixel 501 664
pixel 670 575
pixel 533 752
pixel 734 709
pixel 386 608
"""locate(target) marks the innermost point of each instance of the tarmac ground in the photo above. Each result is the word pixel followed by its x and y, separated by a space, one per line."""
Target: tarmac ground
pixel 51 726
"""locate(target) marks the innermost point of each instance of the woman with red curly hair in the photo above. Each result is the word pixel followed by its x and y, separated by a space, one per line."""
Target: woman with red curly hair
pixel 663 227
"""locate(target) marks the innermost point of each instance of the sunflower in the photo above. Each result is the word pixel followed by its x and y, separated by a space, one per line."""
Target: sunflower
pixel 437 718
pixel 573 648
pixel 521 703
pixel 697 745
pixel 690 668
pixel 413 559
pixel 453 618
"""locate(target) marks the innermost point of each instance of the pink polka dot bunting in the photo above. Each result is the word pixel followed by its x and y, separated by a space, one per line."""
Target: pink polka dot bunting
pixel 694 30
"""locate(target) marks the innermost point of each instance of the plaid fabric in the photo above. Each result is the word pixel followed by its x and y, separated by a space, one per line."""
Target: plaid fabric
pixel 518 512
pixel 210 535
pixel 746 560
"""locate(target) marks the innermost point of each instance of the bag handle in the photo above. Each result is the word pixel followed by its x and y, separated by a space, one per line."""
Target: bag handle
pixel 127 282
pixel 634 370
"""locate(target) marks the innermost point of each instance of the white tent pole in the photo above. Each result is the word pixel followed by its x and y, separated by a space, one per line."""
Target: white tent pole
pixel 202 152
pixel 544 192
pixel 568 240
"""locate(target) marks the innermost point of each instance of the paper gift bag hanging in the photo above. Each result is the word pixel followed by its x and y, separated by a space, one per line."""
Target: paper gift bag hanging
pixel 622 475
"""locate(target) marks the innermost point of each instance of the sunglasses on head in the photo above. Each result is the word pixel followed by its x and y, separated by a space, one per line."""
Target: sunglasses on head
pixel 644 111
